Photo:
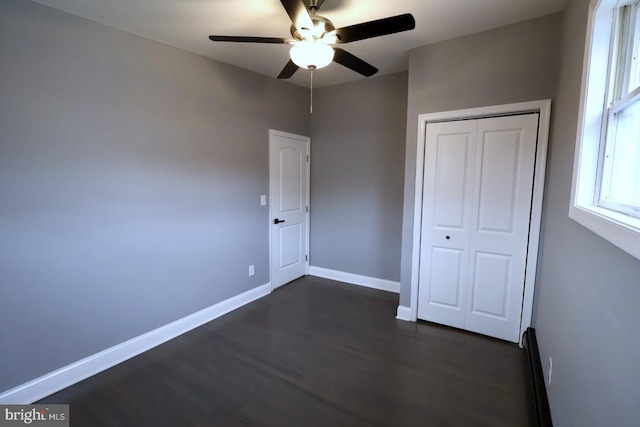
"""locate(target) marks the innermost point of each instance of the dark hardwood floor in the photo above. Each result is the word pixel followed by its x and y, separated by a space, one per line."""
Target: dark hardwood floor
pixel 313 353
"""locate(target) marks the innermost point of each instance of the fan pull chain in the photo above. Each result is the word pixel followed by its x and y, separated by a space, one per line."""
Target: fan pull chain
pixel 311 97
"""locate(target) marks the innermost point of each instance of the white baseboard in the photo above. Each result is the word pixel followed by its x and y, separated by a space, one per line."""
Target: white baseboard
pixel 64 377
pixel 404 313
pixel 356 279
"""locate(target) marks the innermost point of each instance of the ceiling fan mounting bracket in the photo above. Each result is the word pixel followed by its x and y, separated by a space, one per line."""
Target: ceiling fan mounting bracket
pixel 314 5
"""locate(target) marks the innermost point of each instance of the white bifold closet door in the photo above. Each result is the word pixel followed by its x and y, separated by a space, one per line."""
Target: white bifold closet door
pixel 478 183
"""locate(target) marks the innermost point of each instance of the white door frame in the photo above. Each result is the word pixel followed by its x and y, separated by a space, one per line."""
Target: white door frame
pixel 273 133
pixel 544 108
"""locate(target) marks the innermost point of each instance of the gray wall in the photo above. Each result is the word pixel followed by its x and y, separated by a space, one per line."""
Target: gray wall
pixel 357 172
pixel 586 303
pixel 515 63
pixel 130 174
pixel 586 312
pixel 130 177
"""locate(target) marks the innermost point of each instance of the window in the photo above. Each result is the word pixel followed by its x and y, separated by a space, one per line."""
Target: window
pixel 606 185
pixel 619 173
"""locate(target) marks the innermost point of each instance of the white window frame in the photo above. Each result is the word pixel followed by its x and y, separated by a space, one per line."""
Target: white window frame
pixel 619 229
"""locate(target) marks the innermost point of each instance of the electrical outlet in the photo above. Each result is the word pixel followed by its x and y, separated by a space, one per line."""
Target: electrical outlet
pixel 550 370
pixel 251 270
pixel 263 200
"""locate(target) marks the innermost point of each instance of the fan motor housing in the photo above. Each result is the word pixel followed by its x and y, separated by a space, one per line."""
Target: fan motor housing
pixel 321 26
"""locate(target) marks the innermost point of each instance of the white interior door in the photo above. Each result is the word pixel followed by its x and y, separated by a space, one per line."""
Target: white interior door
pixel 444 253
pixel 477 202
pixel 289 201
pixel 503 186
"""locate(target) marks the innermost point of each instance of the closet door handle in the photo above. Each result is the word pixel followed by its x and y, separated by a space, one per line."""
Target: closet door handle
pixel 278 221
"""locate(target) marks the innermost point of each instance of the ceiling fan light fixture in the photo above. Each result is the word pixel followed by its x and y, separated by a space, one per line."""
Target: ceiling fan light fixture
pixel 313 35
pixel 311 54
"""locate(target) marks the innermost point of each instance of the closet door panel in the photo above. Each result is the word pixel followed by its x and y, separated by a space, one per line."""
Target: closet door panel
pixel 478 182
pixel 446 222
pixel 503 185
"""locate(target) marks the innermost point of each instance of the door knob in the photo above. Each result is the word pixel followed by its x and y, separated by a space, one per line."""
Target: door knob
pixel 278 221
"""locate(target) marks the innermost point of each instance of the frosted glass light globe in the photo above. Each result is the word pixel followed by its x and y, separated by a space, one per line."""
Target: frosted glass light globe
pixel 310 54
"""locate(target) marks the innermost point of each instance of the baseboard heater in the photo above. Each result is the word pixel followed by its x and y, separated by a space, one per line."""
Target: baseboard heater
pixel 541 414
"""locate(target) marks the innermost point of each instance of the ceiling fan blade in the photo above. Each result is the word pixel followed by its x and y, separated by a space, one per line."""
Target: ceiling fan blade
pixel 380 27
pixel 242 39
pixel 343 57
pixel 298 13
pixel 288 70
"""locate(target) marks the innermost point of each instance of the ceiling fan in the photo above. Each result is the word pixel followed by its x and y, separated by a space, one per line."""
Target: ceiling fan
pixel 313 37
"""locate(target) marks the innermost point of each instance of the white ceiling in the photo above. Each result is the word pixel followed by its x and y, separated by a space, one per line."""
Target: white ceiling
pixel 186 24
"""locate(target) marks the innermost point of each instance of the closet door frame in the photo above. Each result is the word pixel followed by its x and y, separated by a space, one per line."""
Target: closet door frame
pixel 543 107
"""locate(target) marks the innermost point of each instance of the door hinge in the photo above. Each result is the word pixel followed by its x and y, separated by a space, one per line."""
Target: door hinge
pixel 306 257
pixel 307 209
pixel 307 158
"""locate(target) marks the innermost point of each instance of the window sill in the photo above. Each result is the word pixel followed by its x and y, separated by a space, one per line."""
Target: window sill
pixel 620 230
